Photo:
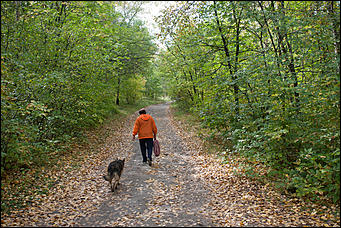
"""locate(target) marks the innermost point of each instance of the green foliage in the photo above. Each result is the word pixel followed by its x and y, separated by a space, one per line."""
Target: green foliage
pixel 64 66
pixel 264 76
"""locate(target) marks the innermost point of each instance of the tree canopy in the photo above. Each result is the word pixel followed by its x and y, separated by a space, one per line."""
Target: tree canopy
pixel 65 65
pixel 264 76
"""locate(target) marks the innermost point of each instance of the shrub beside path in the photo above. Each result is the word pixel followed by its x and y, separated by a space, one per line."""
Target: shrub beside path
pixel 184 187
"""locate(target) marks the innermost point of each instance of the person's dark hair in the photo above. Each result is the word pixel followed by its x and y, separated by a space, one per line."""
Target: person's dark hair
pixel 142 111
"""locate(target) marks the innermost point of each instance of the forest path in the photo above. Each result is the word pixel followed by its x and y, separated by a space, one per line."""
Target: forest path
pixel 164 194
pixel 184 187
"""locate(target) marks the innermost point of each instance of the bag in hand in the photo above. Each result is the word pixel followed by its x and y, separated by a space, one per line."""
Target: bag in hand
pixel 156 148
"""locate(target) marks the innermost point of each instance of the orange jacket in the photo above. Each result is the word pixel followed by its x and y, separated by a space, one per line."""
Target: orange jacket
pixel 145 127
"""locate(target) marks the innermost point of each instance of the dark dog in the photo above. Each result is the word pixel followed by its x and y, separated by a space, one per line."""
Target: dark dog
pixel 115 169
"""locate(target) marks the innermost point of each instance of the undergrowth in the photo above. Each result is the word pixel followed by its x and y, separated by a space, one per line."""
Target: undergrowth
pixel 253 167
pixel 21 187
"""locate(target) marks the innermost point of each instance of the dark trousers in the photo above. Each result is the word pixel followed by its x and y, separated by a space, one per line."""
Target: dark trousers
pixel 146 144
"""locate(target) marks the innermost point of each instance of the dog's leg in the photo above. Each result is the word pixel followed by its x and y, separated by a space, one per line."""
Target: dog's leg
pixel 116 180
pixel 115 185
pixel 112 186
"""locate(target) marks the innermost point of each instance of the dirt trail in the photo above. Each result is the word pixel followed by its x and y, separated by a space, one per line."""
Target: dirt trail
pixel 167 193
pixel 184 187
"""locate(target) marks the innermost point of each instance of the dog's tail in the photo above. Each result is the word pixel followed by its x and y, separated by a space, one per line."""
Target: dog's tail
pixel 106 177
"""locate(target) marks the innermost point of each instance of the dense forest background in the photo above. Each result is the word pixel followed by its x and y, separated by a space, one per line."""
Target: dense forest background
pixel 66 66
pixel 263 76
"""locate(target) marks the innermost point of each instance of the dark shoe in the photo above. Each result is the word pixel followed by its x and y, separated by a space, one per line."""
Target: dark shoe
pixel 150 162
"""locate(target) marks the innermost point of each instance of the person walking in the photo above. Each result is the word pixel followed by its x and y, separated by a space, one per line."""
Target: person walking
pixel 146 130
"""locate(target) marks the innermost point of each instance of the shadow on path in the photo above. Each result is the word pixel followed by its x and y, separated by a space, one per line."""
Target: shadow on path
pixel 166 194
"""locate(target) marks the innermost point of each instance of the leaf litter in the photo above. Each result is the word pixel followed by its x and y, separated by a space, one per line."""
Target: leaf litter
pixel 233 199
pixel 78 188
pixel 239 201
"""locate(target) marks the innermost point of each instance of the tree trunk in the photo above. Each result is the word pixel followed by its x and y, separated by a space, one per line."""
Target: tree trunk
pixel 118 91
pixel 227 53
pixel 336 31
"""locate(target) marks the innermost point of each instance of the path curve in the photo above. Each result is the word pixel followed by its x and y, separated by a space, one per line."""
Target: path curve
pixel 167 194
